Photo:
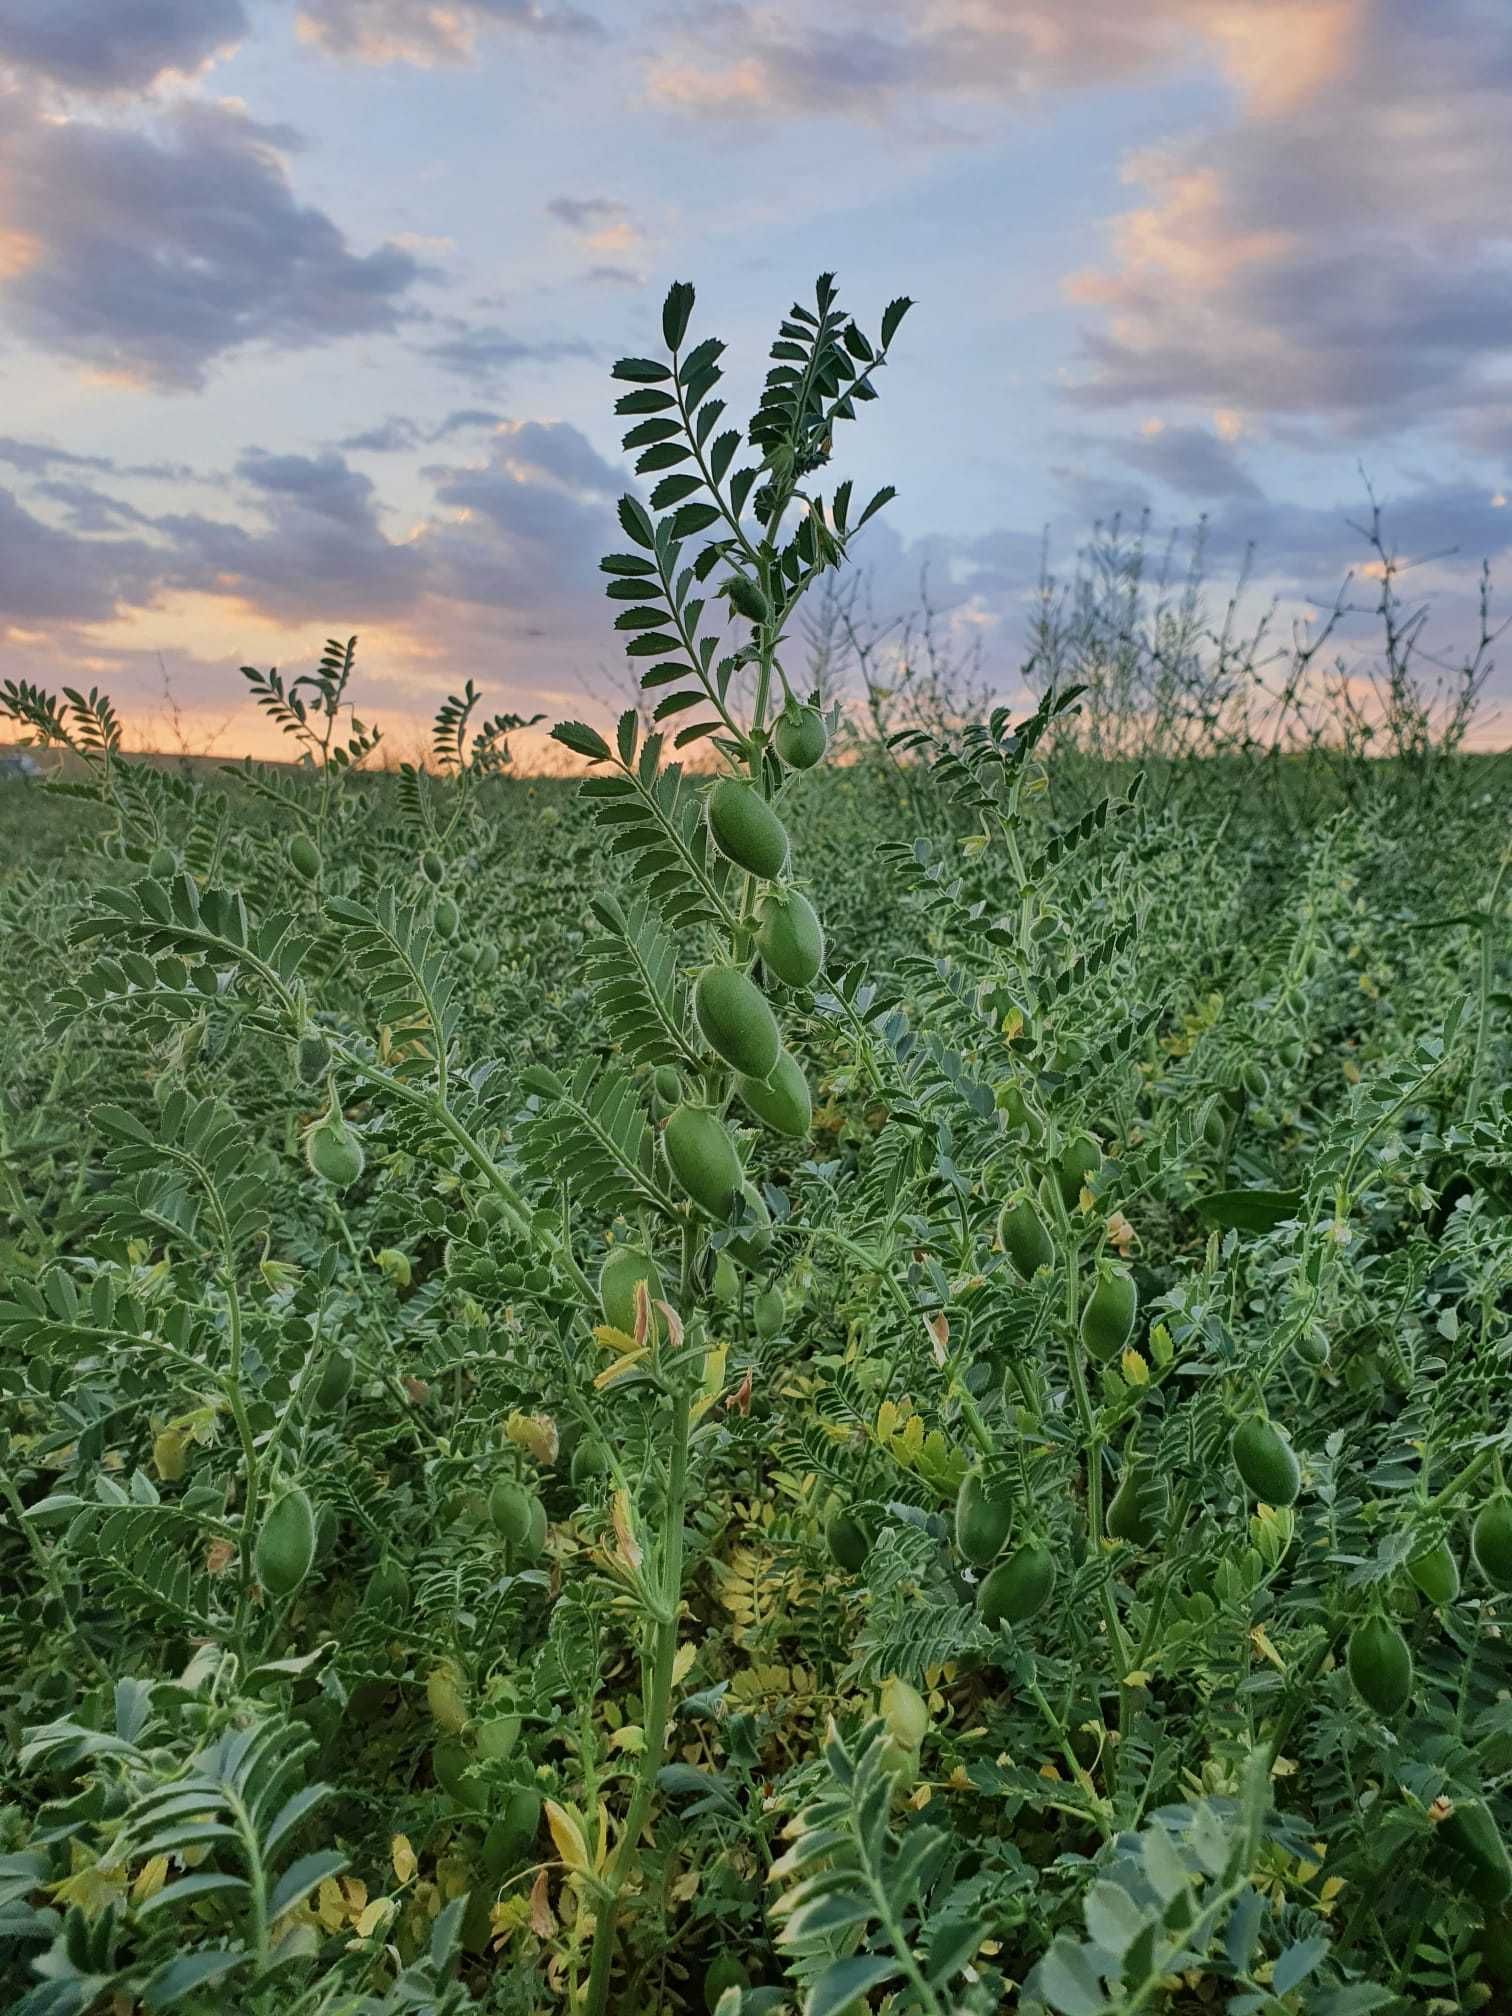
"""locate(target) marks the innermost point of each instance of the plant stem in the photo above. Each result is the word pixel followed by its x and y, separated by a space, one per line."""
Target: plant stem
pixel 238 1404
pixel 1079 1774
pixel 257 1879
pixel 898 1939
pixel 1483 989
pixel 657 1707
pixel 1299 1695
pixel 1467 1476
pixel 1117 1637
pixel 48 1571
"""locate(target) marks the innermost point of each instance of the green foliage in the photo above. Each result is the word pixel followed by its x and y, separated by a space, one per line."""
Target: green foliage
pixel 1138 1149
pixel 852 1879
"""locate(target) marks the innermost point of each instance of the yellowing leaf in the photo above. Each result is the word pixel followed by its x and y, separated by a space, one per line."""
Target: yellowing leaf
pixel 567 1833
pixel 682 1663
pixel 402 1855
pixel 168 1452
pixel 1264 1647
pixel 714 1369
pixel 91 1888
pixel 618 1369
pixel 714 1364
pixel 331 1905
pixel 542 1918
pixel 632 1738
pixel 150 1878
pixel 511 1914
pixel 609 1339
pixel 1134 1368
pixel 534 1433
pixel 627 1547
pixel 376 1916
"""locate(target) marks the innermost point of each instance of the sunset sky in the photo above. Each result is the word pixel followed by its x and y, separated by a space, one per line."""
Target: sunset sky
pixel 307 307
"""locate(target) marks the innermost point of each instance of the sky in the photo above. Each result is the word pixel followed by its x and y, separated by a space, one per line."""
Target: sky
pixel 308 307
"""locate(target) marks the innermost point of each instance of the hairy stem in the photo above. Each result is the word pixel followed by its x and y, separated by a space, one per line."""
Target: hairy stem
pixel 658 1694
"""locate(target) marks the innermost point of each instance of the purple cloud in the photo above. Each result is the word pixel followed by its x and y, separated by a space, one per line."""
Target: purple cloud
pixel 117 45
pixel 1193 460
pixel 482 351
pixel 48 575
pixel 155 256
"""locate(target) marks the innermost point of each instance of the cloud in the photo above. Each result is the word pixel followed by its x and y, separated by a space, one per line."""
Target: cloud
pixel 1309 548
pixel 1303 550
pixel 484 350
pixel 117 45
pixel 508 549
pixel 35 458
pixel 86 509
pixel 588 215
pixel 426 32
pixel 1193 460
pixel 1338 252
pixel 401 435
pixel 152 256
pixel 393 436
pixel 881 60
pixel 522 529
pixel 600 221
pixel 320 553
pixel 1487 430
pixel 48 575
pixel 462 420
pixel 304 537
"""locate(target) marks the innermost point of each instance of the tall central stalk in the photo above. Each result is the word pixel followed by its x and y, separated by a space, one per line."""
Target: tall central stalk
pixel 1483 986
pixel 1117 1637
pixel 658 1703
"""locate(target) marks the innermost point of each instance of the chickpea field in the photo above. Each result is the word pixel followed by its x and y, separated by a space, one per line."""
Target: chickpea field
pixel 837 1361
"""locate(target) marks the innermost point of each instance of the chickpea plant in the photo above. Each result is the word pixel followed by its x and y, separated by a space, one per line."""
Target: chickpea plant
pixel 717 884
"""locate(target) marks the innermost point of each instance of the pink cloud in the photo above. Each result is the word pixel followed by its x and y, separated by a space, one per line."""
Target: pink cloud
pixel 1338 248
pixel 879 59
pixel 427 32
